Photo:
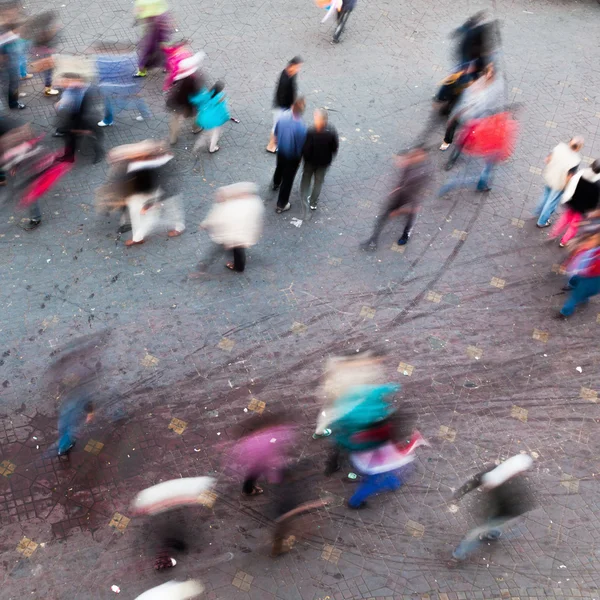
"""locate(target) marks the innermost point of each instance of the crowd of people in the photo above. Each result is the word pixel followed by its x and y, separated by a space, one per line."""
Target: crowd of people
pixel 358 416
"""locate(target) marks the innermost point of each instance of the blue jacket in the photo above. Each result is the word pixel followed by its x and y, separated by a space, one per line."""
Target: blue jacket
pixel 291 135
pixel 212 112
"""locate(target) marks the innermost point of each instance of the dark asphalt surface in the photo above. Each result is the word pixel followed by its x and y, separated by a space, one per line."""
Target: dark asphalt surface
pixel 466 310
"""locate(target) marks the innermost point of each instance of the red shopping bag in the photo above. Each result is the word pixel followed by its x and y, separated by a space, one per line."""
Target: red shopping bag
pixel 494 136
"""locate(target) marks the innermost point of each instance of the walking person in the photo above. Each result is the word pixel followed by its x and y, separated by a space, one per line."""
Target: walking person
pixel 320 148
pixel 212 115
pixel 234 223
pixel 157 29
pixel 482 98
pixel 285 96
pixel 41 33
pixel 505 498
pixel 342 17
pixel 416 170
pixel 584 271
pixel 10 53
pixel 581 196
pixel 561 165
pixel 75 110
pixel 184 81
pixel 290 133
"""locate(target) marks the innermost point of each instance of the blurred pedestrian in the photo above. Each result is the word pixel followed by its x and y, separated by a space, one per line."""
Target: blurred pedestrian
pixel 140 181
pixel 342 17
pixel 234 223
pixel 581 196
pixel 475 40
pixel 505 498
pixel 415 172
pixel 290 133
pixel 561 165
pixel 285 96
pixel 584 272
pixel 263 451
pixel 41 33
pixel 76 118
pixel 296 497
pixel 320 148
pixel 10 48
pixel 183 82
pixel 154 16
pixel 482 98
pixel 117 88
pixel 167 503
pixel 386 466
pixel 213 113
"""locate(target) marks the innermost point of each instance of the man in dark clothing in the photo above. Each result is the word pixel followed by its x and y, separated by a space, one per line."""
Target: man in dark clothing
pixel 320 148
pixel 342 16
pixel 285 96
pixel 404 199
pixel 290 135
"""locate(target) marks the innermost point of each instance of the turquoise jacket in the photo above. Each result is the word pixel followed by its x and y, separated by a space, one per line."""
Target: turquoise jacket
pixel 212 112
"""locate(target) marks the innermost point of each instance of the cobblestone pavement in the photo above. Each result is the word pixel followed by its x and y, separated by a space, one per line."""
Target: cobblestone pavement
pixel 465 313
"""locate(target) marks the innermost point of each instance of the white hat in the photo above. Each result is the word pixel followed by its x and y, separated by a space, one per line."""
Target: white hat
pixel 188 66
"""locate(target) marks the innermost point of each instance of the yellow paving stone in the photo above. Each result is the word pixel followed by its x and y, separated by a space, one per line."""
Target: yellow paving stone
pixel 396 248
pixel 299 328
pixel 415 529
pixel 257 406
pixel 177 425
pixel 498 283
pixel 226 344
pixel 540 336
pixel 242 581
pixel 207 499
pixel 551 124
pixel 517 222
pixel 26 547
pixel 335 262
pixel 589 394
pixel 405 369
pixel 519 413
pixel 149 361
pixel 447 433
pixel 331 554
pixel 459 235
pixel 94 447
pixel 119 522
pixel 474 352
pixel 535 170
pixel 367 312
pixel 434 297
pixel 559 269
pixel 7 468
pixel 570 482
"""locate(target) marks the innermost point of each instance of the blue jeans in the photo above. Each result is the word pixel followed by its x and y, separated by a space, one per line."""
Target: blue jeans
pixel 582 288
pixel 462 180
pixel 23 53
pixel 109 109
pixel 374 484
pixel 547 204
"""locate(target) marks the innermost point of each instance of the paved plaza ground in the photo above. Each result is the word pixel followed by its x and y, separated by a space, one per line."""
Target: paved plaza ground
pixel 465 313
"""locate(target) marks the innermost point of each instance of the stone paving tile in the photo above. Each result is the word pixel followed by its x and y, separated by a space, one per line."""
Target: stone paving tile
pixel 463 311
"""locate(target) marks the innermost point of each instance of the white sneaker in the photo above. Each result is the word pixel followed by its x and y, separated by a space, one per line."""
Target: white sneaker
pixel 103 123
pixel 444 146
pixel 286 207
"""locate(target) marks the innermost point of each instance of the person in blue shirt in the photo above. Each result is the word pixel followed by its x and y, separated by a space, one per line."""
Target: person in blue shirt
pixel 290 133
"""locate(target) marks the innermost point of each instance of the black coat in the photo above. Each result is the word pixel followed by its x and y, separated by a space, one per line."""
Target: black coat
pixel 285 94
pixel 585 197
